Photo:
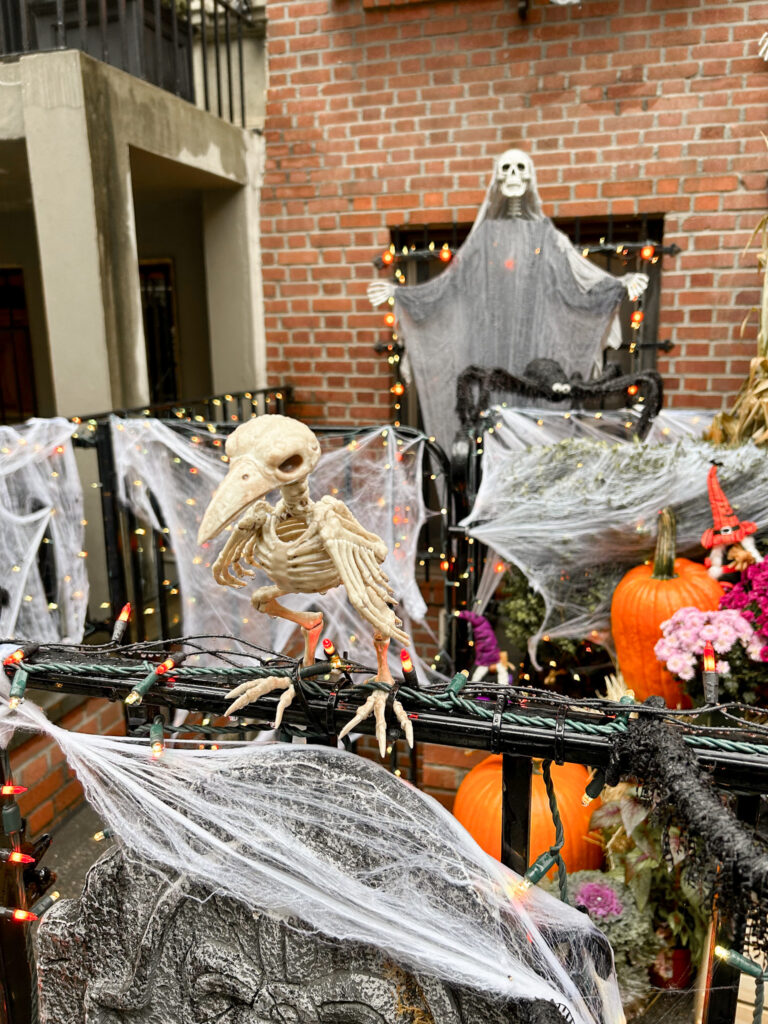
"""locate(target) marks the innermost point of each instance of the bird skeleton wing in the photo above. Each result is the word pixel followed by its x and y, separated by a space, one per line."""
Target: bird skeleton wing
pixel 246 531
pixel 357 556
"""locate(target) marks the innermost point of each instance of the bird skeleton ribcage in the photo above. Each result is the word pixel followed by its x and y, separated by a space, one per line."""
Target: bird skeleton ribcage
pixel 310 547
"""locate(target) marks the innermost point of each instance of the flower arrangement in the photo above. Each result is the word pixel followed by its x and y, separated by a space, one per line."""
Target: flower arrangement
pixel 749 597
pixel 734 637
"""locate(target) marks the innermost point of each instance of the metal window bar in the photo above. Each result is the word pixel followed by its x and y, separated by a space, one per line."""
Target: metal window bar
pixel 158 42
pixel 104 26
pixel 121 20
pixel 82 16
pixel 240 70
pixel 204 55
pixel 175 46
pixel 217 55
pixel 61 31
pixel 228 52
pixel 25 26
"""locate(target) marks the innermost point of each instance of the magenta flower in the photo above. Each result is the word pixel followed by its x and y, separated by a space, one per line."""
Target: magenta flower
pixel 600 899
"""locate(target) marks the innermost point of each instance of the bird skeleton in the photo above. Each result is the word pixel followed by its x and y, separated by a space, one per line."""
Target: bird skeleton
pixel 304 547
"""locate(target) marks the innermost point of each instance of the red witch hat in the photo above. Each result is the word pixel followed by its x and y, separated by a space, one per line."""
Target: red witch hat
pixel 726 527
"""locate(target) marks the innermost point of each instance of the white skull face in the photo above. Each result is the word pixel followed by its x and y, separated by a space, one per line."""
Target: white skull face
pixel 513 173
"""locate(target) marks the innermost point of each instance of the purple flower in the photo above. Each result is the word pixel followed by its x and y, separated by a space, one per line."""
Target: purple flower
pixel 600 899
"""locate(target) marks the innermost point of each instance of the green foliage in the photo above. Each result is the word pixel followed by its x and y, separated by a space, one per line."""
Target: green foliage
pixel 652 865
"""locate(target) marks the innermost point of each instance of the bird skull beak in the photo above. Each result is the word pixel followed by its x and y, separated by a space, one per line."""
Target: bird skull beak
pixel 242 485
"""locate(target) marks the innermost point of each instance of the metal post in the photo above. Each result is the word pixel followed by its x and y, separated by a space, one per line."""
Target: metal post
pixel 515 811
pixel 118 591
pixel 722 992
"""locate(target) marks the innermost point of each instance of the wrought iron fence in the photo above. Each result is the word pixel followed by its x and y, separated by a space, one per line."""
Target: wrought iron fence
pixel 170 43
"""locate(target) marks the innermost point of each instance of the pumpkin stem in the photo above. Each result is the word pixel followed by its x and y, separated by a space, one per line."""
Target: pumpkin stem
pixel 664 555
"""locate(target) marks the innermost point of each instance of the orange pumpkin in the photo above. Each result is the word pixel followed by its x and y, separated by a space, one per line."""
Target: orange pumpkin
pixel 478 808
pixel 647 596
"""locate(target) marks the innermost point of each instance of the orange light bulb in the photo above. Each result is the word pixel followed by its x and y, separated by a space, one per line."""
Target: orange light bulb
pixel 445 253
pixel 125 614
pixel 388 257
pixel 10 790
pixel 405 658
pixel 398 388
pixel 389 319
pixel 632 390
pixel 647 252
pixel 637 317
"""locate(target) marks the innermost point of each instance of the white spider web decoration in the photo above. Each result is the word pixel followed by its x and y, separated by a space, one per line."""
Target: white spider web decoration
pixel 167 475
pixel 572 501
pixel 340 846
pixel 41 521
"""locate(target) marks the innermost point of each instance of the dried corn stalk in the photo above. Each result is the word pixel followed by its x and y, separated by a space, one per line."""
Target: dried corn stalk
pixel 748 419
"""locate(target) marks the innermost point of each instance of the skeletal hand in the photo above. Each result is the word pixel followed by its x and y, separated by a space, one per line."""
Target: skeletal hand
pixel 635 285
pixel 379 292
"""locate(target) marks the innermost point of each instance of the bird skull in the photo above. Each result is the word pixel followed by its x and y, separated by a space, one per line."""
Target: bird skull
pixel 513 173
pixel 264 453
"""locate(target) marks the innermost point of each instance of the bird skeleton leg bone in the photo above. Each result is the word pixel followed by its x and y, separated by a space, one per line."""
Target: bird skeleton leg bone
pixel 377 702
pixel 311 623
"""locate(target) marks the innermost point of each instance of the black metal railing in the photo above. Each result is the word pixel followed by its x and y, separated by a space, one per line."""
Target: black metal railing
pixel 169 43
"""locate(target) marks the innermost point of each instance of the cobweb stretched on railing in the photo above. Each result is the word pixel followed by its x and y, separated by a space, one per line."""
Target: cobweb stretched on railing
pixel 573 503
pixel 340 846
pixel 43 581
pixel 167 475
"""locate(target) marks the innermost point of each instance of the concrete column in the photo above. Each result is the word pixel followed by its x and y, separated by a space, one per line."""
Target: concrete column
pixel 68 242
pixel 233 281
pixel 81 191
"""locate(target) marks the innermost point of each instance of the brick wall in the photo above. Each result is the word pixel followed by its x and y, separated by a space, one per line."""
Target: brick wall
pixel 39 765
pixel 384 113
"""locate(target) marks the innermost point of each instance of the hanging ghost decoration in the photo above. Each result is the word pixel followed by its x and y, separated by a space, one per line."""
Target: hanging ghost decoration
pixel 517 290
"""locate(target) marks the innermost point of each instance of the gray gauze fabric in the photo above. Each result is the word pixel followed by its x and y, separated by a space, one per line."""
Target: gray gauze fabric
pixel 517 290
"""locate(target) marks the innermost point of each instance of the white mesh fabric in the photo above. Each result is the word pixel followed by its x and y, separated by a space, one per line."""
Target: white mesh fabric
pixel 343 848
pixel 572 501
pixel 377 474
pixel 41 520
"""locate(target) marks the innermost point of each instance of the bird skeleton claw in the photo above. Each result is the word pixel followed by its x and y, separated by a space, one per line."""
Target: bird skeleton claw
pixel 250 691
pixel 377 703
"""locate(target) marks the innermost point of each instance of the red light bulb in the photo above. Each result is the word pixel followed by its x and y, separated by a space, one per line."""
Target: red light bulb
pixel 11 790
pixel 445 253
pixel 632 390
pixel 17 857
pixel 647 252
pixel 637 317
pixel 24 915
pixel 710 664
pixel 388 257
pixel 405 658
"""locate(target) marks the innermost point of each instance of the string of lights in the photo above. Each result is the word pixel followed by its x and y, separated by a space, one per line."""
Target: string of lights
pixel 533 722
